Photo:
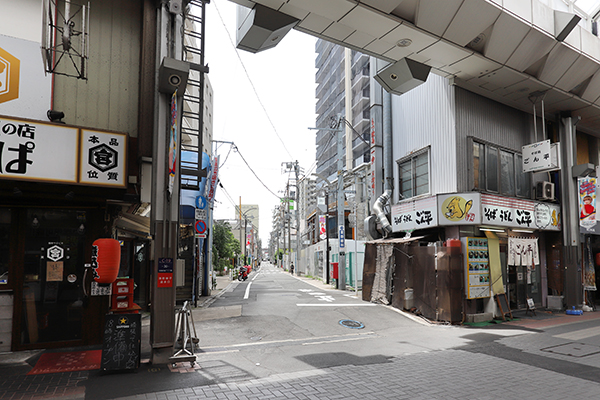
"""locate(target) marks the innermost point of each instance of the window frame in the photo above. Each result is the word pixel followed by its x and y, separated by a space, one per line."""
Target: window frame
pixel 412 158
pixel 482 186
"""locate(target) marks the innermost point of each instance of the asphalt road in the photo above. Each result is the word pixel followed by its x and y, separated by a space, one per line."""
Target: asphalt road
pixel 277 336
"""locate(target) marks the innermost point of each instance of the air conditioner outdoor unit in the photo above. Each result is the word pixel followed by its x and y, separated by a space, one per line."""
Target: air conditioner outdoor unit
pixel 545 191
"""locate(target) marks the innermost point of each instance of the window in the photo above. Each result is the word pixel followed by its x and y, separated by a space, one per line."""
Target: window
pixel 499 170
pixel 414 175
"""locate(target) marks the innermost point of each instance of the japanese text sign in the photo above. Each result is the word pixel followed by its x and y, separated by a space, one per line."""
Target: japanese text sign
pixel 38 151
pixel 537 156
pixel 414 214
pixel 103 158
pixel 515 213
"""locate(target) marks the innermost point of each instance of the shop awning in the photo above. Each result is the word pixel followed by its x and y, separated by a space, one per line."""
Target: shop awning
pixel 134 224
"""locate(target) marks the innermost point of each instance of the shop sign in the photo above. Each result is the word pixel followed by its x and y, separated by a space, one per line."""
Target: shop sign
pixel 477 268
pixel 414 214
pixel 25 88
pixel 459 209
pixel 516 213
pixel 38 151
pixel 536 156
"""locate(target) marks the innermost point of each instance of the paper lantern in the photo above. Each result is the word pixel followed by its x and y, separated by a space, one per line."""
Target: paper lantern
pixel 598 259
pixel 106 258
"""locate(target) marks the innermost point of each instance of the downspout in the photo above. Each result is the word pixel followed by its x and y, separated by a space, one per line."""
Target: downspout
pixel 379 205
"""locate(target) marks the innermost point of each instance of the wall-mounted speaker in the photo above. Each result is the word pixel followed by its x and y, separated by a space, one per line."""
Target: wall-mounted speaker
pixel 261 28
pixel 401 76
pixel 173 75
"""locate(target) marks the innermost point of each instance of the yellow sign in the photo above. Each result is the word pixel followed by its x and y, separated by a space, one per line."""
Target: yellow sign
pixel 9 76
pixel 456 208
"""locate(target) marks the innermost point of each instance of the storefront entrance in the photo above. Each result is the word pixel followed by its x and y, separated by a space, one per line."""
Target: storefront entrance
pixel 53 269
pixel 48 250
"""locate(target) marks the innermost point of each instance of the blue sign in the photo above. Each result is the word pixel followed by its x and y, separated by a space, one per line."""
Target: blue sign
pixel 200 227
pixel 342 237
pixel 201 202
pixel 165 265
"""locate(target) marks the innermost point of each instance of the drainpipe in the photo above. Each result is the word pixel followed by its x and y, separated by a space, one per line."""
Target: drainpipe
pixel 379 205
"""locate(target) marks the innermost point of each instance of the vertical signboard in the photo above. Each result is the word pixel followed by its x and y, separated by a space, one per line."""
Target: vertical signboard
pixel 213 179
pixel 477 268
pixel 172 156
pixel 587 202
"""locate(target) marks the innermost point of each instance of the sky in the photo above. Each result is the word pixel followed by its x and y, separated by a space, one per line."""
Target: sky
pixel 282 79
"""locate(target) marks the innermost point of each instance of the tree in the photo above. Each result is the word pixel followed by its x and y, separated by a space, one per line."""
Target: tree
pixel 225 246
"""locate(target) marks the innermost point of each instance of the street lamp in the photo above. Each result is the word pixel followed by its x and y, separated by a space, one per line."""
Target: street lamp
pixel 326 223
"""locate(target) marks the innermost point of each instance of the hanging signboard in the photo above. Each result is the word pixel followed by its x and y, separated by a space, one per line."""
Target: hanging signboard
pixel 414 214
pixel 213 179
pixel 536 156
pixel 173 135
pixel 587 202
pixel 322 227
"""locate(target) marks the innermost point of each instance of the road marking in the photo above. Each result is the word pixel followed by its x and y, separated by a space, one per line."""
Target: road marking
pixel 247 290
pixel 580 334
pixel 336 305
pixel 334 341
pixel 319 339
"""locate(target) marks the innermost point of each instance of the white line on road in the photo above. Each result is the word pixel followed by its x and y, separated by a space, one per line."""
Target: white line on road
pixel 248 289
pixel 335 341
pixel 321 339
pixel 335 305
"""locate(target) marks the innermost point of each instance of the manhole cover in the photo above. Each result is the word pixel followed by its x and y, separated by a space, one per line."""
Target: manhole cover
pixel 348 323
pixel 573 349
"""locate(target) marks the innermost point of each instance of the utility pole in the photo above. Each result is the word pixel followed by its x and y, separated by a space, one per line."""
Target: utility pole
pixel 340 209
pixel 240 225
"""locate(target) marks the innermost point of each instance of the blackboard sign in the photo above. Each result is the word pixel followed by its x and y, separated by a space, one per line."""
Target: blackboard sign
pixel 122 342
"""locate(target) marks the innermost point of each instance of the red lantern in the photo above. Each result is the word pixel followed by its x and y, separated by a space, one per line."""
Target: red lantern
pixel 106 258
pixel 598 259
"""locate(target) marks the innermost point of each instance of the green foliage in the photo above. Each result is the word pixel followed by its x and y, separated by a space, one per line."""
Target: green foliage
pixel 225 246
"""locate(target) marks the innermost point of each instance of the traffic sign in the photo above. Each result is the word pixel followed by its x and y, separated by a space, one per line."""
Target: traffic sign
pixel 201 202
pixel 200 214
pixel 200 227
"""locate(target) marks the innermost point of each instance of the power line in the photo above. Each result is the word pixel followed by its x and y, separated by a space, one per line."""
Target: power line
pixel 252 83
pixel 251 170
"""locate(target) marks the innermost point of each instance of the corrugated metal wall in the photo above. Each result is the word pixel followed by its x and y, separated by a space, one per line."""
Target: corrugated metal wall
pixel 489 121
pixel 109 98
pixel 425 117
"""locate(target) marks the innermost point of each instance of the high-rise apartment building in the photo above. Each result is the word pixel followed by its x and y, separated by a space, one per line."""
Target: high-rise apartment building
pixel 331 98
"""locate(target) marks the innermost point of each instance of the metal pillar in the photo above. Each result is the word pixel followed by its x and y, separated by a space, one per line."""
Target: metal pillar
pixel 340 210
pixel 569 196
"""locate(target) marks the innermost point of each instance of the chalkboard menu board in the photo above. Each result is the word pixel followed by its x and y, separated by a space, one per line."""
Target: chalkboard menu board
pixel 122 340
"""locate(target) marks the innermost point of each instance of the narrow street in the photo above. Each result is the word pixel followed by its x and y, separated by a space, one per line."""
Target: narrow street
pixel 277 336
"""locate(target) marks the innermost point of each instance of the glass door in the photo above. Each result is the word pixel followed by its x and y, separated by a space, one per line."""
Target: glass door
pixel 53 267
